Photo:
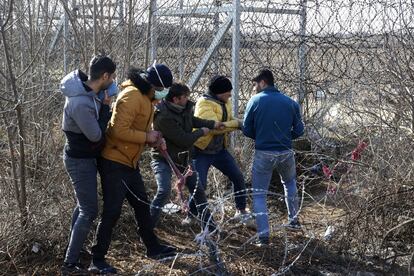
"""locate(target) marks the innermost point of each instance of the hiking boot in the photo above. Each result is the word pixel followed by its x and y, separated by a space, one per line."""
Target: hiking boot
pixel 261 242
pixel 73 269
pixel 293 226
pixel 101 267
pixel 161 251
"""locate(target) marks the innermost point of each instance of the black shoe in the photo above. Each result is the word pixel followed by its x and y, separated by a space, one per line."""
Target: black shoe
pixel 73 269
pixel 261 242
pixel 161 251
pixel 293 226
pixel 84 254
pixel 101 267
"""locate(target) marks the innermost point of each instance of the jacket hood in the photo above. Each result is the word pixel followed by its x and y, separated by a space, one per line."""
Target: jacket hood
pixel 126 83
pixel 213 98
pixel 72 85
pixel 164 104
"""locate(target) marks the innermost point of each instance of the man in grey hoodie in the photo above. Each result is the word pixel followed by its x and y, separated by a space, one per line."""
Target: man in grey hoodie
pixel 85 117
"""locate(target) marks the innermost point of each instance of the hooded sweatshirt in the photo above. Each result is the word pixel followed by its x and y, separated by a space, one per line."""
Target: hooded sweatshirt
pixel 84 117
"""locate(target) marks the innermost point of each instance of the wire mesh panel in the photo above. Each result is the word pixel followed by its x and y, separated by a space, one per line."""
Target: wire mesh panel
pixel 268 38
pixel 347 44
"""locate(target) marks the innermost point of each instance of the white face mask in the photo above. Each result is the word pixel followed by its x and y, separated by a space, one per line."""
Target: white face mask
pixel 159 95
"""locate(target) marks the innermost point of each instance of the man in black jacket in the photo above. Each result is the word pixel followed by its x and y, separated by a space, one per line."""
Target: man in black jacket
pixel 174 117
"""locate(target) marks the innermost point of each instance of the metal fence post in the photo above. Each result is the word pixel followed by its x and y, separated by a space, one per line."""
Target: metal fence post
pixel 302 57
pixel 235 55
pixel 181 46
pixel 153 36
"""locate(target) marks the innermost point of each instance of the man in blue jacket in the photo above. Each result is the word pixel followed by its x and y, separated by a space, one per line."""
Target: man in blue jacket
pixel 272 119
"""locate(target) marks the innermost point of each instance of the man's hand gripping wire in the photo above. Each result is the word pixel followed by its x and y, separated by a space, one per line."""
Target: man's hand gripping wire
pixel 161 146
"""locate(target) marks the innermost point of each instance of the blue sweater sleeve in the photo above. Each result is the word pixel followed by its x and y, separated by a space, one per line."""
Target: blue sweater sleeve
pixel 248 120
pixel 297 128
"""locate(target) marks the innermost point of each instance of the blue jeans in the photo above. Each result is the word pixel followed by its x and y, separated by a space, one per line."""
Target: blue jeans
pixel 199 203
pixel 162 173
pixel 82 173
pixel 263 165
pixel 225 163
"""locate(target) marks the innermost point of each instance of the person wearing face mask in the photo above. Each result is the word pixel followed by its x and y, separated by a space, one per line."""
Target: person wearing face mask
pixel 85 117
pixel 160 77
pixel 128 132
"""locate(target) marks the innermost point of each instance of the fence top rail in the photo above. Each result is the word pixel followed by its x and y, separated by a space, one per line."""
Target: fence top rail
pixel 223 9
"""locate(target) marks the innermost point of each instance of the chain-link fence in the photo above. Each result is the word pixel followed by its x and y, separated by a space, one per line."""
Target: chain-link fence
pixel 351 50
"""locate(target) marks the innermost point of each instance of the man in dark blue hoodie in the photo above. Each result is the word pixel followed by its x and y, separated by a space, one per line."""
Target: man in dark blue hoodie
pixel 272 119
pixel 85 117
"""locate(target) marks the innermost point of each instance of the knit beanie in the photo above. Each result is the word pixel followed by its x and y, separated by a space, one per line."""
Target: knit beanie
pixel 163 72
pixel 219 85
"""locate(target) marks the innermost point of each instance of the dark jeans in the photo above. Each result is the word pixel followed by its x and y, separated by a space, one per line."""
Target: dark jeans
pixel 82 173
pixel 120 181
pixel 225 163
pixel 199 203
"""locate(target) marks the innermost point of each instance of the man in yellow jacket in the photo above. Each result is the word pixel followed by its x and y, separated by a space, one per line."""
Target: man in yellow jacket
pixel 128 131
pixel 211 150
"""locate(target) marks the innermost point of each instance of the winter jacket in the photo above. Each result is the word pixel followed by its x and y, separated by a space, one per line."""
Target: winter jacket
pixel 84 117
pixel 272 120
pixel 131 119
pixel 176 127
pixel 210 108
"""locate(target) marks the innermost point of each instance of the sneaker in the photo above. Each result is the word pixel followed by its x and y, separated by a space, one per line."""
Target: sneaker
pixel 261 242
pixel 246 218
pixel 161 251
pixel 73 269
pixel 187 221
pixel 241 215
pixel 101 267
pixel 250 224
pixel 293 226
